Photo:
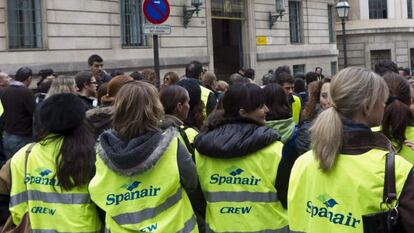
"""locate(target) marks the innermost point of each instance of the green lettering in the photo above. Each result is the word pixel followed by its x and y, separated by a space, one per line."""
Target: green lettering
pixel 144 192
pixel 308 206
pixel 156 190
pixel 52 212
pixel 110 199
pixel 127 196
pixel 246 210
pixel 214 178
pixel 119 198
pixel 355 222
pixel 228 180
pixel 245 181
pixel 236 180
pixel 323 212
pixel 338 219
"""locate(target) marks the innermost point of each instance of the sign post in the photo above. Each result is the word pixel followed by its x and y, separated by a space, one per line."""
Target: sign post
pixel 156 12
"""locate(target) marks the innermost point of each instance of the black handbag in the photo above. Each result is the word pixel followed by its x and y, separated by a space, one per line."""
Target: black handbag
pixel 386 221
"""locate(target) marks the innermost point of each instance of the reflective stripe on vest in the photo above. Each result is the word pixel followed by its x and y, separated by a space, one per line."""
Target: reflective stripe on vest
pixel 189 225
pixel 241 196
pixel 281 230
pixel 61 198
pixel 142 215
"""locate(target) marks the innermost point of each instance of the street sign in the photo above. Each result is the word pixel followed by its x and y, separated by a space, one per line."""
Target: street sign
pixel 156 11
pixel 157 29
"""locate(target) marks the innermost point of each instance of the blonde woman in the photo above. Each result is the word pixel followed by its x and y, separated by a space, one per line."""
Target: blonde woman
pixel 143 174
pixel 342 178
pixel 62 84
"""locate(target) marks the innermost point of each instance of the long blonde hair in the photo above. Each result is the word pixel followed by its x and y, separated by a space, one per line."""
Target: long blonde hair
pixel 137 110
pixel 351 90
pixel 62 84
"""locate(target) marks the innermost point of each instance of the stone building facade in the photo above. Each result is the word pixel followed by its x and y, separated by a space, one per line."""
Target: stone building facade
pixel 225 35
pixel 378 29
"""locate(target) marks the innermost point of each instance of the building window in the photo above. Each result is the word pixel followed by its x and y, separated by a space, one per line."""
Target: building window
pixel 334 68
pixel 377 55
pixel 295 22
pixel 24 24
pixel 131 23
pixel 298 69
pixel 410 9
pixel 377 9
pixel 331 24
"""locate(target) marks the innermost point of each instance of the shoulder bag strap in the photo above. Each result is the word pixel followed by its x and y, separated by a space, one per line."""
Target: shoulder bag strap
pixel 29 149
pixel 390 193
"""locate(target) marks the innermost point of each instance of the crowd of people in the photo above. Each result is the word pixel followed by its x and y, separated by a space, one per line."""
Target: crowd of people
pixel 111 152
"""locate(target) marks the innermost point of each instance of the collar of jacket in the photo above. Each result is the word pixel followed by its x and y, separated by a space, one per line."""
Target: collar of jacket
pixel 234 139
pixel 359 139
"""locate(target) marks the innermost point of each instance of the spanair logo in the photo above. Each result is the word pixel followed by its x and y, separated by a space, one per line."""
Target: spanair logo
pixel 132 190
pixel 42 177
pixel 327 201
pixel 326 209
pixel 131 186
pixel 234 171
pixel 234 175
pixel 43 171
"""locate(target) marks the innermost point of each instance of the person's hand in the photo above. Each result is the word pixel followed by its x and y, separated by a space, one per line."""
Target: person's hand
pixel 409 144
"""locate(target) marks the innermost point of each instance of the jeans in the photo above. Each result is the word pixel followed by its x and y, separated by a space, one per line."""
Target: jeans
pixel 12 143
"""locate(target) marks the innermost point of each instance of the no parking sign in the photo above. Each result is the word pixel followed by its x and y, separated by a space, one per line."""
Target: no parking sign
pixel 156 11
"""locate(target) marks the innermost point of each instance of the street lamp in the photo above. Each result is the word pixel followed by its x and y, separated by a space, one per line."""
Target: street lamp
pixel 188 12
pixel 280 8
pixel 342 8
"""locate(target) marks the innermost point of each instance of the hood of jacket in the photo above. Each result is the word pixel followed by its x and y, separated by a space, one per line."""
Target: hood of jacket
pixel 171 121
pixel 135 156
pixel 284 127
pixel 234 140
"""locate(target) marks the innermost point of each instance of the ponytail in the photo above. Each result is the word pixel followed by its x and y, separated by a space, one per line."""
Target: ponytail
pixel 327 138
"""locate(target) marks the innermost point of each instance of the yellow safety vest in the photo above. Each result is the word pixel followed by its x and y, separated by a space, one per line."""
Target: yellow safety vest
pixel 1 109
pixel 296 108
pixel 205 92
pixel 153 201
pixel 240 192
pixel 191 134
pixel 406 152
pixel 335 201
pixel 50 208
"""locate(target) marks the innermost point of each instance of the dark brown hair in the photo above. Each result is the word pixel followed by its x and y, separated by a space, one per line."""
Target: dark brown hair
pixel 170 96
pixel 310 111
pixel 397 115
pixel 277 102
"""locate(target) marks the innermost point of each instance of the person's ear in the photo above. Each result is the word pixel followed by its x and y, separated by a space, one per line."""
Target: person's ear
pixel 179 107
pixel 243 113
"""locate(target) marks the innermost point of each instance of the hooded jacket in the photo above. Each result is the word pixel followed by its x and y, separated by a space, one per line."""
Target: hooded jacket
pixel 240 138
pixel 133 157
pixel 99 119
pixel 285 127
